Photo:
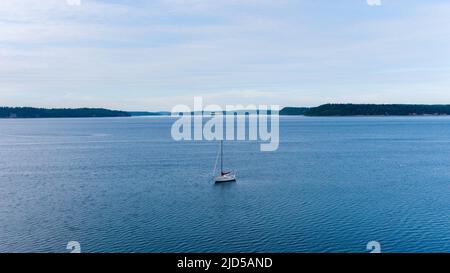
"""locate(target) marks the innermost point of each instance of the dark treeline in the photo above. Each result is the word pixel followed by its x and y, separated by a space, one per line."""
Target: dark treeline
pixel 29 112
pixel 294 111
pixel 323 110
pixel 371 110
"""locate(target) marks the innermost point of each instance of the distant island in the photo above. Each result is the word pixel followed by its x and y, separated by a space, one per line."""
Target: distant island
pixel 294 111
pixel 369 110
pixel 29 112
pixel 320 111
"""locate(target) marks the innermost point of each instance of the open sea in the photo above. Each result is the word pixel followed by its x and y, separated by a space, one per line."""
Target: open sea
pixel 123 185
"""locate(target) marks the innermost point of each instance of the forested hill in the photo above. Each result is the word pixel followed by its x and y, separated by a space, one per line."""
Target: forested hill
pixel 294 111
pixel 370 110
pixel 29 112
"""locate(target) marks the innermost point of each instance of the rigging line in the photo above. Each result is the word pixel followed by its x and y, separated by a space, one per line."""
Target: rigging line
pixel 215 164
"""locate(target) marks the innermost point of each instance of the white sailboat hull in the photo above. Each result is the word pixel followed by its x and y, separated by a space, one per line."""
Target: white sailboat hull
pixel 225 178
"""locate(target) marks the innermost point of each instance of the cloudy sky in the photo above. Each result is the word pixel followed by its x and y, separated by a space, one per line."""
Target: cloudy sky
pixel 151 55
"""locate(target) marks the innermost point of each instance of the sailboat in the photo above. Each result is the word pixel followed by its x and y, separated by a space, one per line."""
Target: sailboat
pixel 224 176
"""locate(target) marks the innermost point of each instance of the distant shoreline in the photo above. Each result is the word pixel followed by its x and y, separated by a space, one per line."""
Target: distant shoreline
pixel 326 110
pixel 30 112
pixel 342 110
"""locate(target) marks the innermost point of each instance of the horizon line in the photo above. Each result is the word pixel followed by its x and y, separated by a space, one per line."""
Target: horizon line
pixel 169 111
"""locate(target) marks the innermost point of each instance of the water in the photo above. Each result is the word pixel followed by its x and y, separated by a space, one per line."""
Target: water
pixel 123 185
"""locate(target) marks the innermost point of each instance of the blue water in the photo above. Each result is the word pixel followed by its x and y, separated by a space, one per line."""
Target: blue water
pixel 123 185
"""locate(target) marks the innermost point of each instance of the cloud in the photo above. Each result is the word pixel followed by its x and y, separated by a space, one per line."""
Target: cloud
pixel 153 54
pixel 374 2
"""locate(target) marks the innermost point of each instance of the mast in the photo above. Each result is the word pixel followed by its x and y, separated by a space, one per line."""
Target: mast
pixel 221 157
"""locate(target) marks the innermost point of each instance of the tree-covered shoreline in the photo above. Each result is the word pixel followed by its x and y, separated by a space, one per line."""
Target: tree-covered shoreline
pixel 369 110
pixel 320 111
pixel 30 112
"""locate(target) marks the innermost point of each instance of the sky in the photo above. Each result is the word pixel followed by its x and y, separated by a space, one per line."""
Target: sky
pixel 152 55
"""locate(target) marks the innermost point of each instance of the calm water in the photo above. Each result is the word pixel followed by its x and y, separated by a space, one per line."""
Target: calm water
pixel 123 185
